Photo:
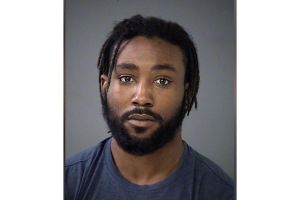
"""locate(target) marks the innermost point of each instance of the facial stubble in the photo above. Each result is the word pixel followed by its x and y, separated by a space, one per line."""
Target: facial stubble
pixel 142 146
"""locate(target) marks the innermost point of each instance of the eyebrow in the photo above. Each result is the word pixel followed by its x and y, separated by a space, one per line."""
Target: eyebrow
pixel 164 67
pixel 131 66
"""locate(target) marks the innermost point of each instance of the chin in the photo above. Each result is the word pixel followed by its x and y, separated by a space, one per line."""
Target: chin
pixel 141 132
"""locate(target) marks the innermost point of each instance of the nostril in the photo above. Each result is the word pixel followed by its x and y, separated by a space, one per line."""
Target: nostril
pixel 148 104
pixel 135 103
pixel 142 103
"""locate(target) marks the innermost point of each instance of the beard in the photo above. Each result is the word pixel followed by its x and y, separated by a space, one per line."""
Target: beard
pixel 142 146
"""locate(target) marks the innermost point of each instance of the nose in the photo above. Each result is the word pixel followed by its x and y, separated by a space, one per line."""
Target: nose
pixel 143 96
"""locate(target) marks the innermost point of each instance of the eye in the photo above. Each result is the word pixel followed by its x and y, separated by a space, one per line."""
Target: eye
pixel 162 82
pixel 126 79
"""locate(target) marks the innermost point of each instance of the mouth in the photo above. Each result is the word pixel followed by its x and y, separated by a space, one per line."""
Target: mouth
pixel 141 117
pixel 141 120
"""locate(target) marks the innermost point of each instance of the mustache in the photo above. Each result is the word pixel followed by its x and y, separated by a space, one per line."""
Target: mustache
pixel 141 111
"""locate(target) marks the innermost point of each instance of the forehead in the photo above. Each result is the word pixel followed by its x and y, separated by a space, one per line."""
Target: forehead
pixel 144 51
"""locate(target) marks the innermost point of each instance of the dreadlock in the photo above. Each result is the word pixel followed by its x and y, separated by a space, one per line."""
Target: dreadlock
pixel 151 27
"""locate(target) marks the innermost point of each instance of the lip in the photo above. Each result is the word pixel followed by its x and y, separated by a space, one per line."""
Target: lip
pixel 141 117
pixel 141 123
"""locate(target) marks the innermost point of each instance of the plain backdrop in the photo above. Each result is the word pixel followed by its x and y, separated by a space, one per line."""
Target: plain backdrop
pixel 211 128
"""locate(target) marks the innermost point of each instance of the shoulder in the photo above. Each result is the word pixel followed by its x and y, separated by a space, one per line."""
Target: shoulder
pixel 213 182
pixel 78 167
pixel 82 156
pixel 213 169
pixel 85 156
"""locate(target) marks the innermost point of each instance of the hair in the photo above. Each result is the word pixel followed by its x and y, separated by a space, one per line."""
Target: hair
pixel 152 27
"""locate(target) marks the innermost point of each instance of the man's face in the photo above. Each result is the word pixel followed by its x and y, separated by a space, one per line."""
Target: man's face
pixel 144 102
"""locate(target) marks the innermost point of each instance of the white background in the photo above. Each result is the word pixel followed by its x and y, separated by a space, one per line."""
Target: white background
pixel 31 88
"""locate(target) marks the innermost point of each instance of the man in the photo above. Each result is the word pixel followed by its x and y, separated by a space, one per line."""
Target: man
pixel 148 77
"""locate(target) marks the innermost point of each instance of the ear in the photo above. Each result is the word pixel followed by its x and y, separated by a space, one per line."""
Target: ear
pixel 103 84
pixel 186 86
pixel 186 101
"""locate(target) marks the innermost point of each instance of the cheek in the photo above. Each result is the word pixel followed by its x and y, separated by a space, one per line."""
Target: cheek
pixel 169 102
pixel 117 99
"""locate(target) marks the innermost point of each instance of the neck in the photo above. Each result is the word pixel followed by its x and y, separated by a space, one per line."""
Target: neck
pixel 151 168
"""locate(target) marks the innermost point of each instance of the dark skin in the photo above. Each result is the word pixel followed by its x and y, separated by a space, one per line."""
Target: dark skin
pixel 149 73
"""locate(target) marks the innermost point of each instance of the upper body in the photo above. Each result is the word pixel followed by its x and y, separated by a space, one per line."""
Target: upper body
pixel 92 174
pixel 148 81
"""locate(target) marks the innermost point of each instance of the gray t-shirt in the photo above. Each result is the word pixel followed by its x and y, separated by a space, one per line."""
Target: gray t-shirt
pixel 92 174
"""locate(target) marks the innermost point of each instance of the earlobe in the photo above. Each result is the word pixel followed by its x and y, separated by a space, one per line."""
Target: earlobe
pixel 103 83
pixel 186 86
